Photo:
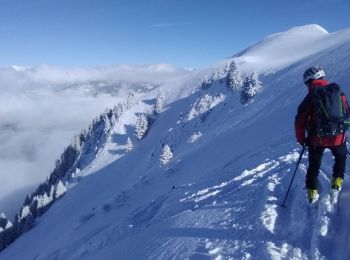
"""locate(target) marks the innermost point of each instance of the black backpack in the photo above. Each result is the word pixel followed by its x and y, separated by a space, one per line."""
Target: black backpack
pixel 331 115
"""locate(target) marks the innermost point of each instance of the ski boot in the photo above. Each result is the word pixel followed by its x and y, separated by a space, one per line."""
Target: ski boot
pixel 312 195
pixel 337 183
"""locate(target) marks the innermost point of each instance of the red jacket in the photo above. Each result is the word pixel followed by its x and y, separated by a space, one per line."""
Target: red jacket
pixel 305 119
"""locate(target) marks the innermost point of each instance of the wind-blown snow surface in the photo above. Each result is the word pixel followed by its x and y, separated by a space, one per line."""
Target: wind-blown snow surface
pixel 219 197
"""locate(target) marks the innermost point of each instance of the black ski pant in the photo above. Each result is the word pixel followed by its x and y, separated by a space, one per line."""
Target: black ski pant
pixel 315 158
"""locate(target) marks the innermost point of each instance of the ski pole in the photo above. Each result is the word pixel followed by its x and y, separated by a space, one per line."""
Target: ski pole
pixel 296 168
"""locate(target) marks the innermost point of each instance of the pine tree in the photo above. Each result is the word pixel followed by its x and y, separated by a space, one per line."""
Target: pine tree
pixel 234 78
pixel 206 82
pixel 27 223
pixel 251 87
pixel 158 107
pixel 141 126
pixel 26 201
pixel 76 142
pixel 8 236
pixel 3 222
pixel 60 190
pixel 43 200
pixel 219 74
pixel 118 110
pixel 34 211
pixel 166 155
pixel 128 146
pixel 52 192
pixel 131 100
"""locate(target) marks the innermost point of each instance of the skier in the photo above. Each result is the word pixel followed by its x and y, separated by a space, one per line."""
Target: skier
pixel 315 129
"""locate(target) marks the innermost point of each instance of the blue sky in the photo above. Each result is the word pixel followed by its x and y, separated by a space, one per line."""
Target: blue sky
pixel 187 33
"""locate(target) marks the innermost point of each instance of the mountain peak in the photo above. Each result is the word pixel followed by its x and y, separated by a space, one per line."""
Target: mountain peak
pixel 305 31
pixel 283 48
pixel 310 28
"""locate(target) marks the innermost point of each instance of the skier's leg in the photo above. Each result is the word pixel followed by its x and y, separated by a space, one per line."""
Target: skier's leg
pixel 339 153
pixel 315 157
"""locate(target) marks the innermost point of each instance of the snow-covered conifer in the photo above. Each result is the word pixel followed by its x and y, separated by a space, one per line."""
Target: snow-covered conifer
pixel 3 222
pixel 52 192
pixel 60 189
pixel 118 110
pixel 166 155
pixel 234 77
pixel 251 87
pixel 26 201
pixel 206 82
pixel 131 100
pixel 219 74
pixel 105 121
pixel 77 142
pixel 128 146
pixel 141 126
pixel 27 223
pixel 43 200
pixel 25 211
pixel 159 103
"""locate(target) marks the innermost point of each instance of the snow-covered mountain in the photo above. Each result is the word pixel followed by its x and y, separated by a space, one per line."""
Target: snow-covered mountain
pixel 215 194
pixel 41 108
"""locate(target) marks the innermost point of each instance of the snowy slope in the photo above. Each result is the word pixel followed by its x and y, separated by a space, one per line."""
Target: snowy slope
pixel 219 196
pixel 284 48
pixel 42 107
pixel 280 50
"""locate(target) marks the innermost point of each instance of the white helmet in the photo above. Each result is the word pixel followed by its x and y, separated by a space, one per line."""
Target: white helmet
pixel 313 73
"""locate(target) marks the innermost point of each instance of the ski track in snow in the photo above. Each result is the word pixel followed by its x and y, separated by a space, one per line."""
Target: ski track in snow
pixel 211 220
pixel 221 223
pixel 228 216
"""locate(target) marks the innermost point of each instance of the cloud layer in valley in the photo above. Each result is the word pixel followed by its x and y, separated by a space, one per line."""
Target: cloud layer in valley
pixel 41 109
